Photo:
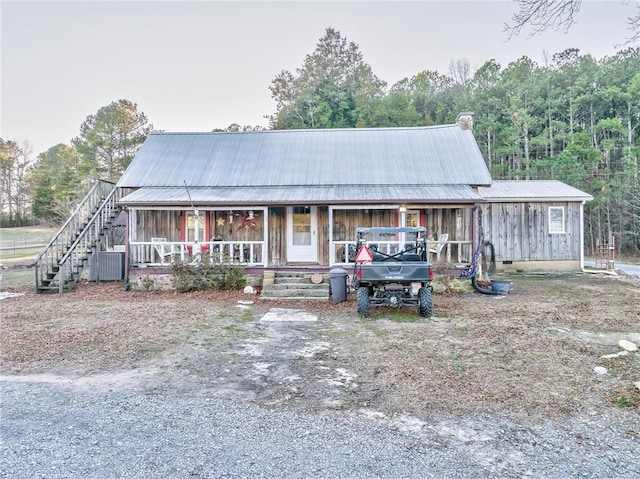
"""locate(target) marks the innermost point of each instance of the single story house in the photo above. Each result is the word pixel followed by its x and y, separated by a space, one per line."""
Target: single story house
pixel 294 198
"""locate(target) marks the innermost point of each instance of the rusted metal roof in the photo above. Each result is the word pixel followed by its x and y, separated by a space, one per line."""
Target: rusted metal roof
pixel 303 195
pixel 532 190
pixel 379 157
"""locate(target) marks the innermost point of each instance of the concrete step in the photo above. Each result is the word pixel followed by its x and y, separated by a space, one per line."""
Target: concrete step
pixel 291 280
pixel 285 286
pixel 291 293
pixel 295 286
pixel 295 298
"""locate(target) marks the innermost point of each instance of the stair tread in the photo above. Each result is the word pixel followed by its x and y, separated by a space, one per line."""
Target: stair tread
pixel 297 286
pixel 295 298
pixel 82 251
pixel 294 295
pixel 291 280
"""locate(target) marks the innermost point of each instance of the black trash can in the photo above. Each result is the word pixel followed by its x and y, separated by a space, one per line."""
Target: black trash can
pixel 338 280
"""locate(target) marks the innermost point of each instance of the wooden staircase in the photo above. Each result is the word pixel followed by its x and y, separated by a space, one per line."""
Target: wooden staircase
pixel 295 286
pixel 59 266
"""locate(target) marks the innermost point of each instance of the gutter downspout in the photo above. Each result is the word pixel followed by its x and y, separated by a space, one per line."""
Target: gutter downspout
pixel 611 273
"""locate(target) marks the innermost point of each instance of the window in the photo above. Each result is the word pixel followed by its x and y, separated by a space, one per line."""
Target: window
pixel 408 218
pixel 412 218
pixel 188 233
pixel 556 220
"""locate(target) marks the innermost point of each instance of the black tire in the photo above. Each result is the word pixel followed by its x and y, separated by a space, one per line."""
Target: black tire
pixel 362 300
pixel 425 302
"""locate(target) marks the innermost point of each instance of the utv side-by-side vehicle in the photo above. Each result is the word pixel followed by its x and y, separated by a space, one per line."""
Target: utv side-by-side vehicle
pixel 392 269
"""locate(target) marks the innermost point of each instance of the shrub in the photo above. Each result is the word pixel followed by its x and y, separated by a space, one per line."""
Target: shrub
pixel 205 275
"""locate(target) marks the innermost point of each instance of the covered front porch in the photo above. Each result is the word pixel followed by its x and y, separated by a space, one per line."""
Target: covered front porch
pixel 449 230
pixel 162 236
pixel 288 236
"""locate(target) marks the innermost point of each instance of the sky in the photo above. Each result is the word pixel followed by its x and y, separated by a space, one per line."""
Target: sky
pixel 200 65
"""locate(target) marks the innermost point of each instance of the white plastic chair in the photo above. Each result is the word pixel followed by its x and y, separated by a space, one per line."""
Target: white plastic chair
pixel 442 240
pixel 163 249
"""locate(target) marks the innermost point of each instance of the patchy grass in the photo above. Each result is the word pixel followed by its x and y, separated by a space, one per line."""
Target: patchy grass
pixel 401 315
pixel 19 257
pixel 18 279
pixel 627 398
pixel 10 237
pixel 20 246
pixel 529 354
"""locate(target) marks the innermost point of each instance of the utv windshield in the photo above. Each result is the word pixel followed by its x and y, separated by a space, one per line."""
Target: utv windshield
pixel 392 241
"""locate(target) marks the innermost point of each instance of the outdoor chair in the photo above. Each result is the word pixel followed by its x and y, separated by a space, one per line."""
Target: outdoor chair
pixel 164 249
pixel 442 240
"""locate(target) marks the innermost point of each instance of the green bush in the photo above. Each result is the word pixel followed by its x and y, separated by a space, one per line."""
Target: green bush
pixel 205 275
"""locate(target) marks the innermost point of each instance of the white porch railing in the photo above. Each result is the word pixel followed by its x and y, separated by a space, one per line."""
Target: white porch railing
pixel 160 252
pixel 460 252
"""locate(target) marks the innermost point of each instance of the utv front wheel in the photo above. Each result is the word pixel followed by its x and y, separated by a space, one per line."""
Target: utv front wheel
pixel 363 302
pixel 425 302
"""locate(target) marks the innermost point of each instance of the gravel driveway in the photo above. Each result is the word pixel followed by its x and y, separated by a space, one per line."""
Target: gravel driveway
pixel 64 430
pixel 122 385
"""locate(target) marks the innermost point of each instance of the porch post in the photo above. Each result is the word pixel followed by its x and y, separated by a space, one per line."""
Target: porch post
pixel 265 235
pixel 475 229
pixel 196 226
pixel 331 245
pixel 127 249
pixel 582 235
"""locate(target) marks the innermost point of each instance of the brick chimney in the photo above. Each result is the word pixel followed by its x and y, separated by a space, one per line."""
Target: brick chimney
pixel 465 120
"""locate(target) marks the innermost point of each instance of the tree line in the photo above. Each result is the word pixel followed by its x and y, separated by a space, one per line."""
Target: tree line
pixel 47 189
pixel 574 118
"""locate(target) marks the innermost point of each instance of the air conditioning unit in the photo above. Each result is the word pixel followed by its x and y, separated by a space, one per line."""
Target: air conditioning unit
pixel 107 266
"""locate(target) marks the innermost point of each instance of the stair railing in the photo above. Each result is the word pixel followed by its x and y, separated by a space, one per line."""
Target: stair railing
pixel 74 261
pixel 94 209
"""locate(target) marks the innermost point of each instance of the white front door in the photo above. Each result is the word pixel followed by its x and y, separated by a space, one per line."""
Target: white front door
pixel 302 237
pixel 409 218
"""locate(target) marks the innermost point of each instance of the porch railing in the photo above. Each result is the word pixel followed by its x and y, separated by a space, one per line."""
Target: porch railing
pixel 458 252
pixel 160 252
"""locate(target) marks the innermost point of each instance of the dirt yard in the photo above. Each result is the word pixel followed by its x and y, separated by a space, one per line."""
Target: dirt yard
pixel 528 355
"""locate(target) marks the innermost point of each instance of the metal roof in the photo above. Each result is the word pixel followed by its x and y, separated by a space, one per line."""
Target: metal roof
pixel 302 194
pixel 532 190
pixel 425 156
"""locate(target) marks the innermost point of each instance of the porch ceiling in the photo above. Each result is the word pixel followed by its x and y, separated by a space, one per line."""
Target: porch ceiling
pixel 333 195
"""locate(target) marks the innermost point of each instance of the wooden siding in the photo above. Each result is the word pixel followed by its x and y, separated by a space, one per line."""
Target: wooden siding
pixel 156 224
pixel 169 223
pixel 520 231
pixel 146 224
pixel 345 222
pixel 455 222
pixel 323 235
pixel 278 236
pixel 240 229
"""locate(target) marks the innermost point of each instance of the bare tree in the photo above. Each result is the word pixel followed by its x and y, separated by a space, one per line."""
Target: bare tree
pixel 15 200
pixel 460 71
pixel 634 27
pixel 235 127
pixel 541 15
